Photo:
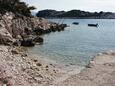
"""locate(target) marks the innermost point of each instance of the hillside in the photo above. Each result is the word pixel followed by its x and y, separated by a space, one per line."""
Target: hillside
pixel 75 14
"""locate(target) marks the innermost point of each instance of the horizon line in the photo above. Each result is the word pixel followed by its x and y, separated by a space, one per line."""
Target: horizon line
pixel 70 10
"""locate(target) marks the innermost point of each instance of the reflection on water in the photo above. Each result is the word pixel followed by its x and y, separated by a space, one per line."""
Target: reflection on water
pixel 78 43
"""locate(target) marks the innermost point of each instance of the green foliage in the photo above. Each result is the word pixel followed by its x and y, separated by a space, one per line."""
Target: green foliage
pixel 16 6
pixel 49 13
pixel 72 14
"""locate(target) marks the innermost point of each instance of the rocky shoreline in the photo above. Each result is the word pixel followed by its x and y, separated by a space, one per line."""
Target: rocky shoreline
pixel 25 31
pixel 19 68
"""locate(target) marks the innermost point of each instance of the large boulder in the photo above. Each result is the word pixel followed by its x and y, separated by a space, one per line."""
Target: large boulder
pixel 5 35
pixel 5 29
pixel 38 40
pixel 27 43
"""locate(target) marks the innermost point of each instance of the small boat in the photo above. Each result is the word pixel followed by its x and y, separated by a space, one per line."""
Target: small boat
pixel 75 23
pixel 93 25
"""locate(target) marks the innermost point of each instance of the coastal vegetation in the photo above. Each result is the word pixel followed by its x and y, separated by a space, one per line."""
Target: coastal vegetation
pixel 15 6
pixel 74 14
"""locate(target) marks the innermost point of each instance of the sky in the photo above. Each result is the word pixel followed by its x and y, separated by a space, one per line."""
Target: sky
pixel 86 5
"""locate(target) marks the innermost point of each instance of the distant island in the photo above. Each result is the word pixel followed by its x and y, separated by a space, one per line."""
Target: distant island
pixel 49 13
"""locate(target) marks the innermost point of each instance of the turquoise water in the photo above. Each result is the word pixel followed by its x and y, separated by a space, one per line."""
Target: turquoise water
pixel 78 43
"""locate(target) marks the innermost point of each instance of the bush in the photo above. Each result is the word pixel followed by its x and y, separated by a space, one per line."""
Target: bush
pixel 16 6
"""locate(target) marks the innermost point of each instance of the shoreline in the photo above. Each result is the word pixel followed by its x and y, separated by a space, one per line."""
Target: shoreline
pixel 25 31
pixel 17 68
pixel 19 30
pixel 20 68
pixel 99 72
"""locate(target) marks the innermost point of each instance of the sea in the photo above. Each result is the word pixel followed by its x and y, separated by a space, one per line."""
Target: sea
pixel 77 44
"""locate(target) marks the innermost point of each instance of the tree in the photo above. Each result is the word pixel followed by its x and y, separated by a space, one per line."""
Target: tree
pixel 16 6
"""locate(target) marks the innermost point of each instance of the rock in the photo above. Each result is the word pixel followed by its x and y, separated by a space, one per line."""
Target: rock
pixel 38 40
pixel 5 37
pixel 24 55
pixel 39 64
pixel 99 54
pixel 15 52
pixel 46 66
pixel 62 26
pixel 27 43
pixel 17 43
pixel 39 31
pixel 35 60
pixel 28 31
pixel 19 50
pixel 13 29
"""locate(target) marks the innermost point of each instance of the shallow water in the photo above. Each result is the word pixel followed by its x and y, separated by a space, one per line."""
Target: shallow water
pixel 78 43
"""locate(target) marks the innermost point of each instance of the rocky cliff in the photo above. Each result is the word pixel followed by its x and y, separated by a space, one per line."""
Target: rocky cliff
pixel 13 28
pixel 19 27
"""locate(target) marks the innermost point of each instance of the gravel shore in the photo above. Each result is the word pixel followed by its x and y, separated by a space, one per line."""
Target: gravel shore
pixel 18 68
pixel 100 72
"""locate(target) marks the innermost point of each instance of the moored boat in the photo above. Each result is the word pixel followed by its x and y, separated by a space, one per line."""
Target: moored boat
pixel 93 25
pixel 75 23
